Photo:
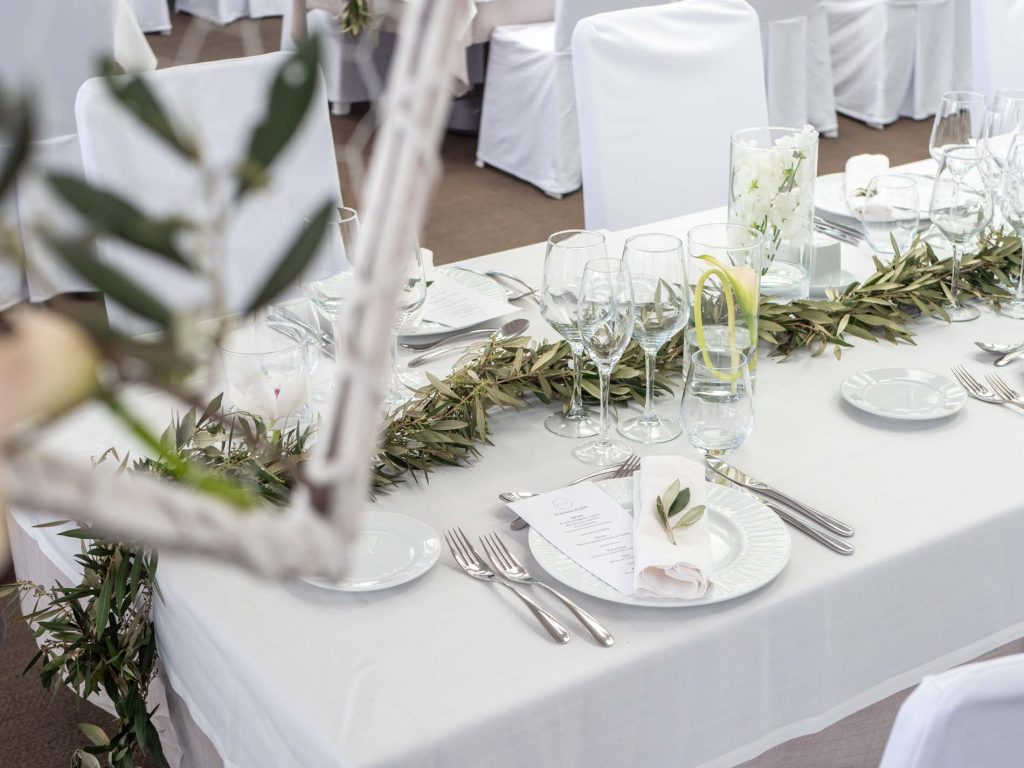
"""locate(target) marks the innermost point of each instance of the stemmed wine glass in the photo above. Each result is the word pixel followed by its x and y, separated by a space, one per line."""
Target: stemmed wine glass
pixel 567 254
pixel 717 408
pixel 605 318
pixel 961 208
pixel 330 293
pixel 1013 211
pixel 657 267
pixel 891 211
pixel 959 121
pixel 410 299
pixel 1004 121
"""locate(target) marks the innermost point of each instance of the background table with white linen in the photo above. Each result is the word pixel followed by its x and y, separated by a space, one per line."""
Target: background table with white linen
pixel 447 671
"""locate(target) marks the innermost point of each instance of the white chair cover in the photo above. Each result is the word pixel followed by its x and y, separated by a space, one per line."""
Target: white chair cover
pixel 798 63
pixel 893 58
pixel 651 152
pixel 997 27
pixel 219 102
pixel 48 48
pixel 528 123
pixel 969 716
pixel 152 15
pixel 227 11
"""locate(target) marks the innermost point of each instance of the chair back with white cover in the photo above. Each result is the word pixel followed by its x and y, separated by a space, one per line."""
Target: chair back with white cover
pixel 996 27
pixel 660 91
pixel 152 15
pixel 893 58
pixel 969 716
pixel 797 63
pixel 48 48
pixel 218 103
pixel 226 11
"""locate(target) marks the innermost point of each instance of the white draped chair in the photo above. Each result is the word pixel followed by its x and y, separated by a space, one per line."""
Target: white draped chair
pixel 997 31
pixel 969 716
pixel 893 58
pixel 798 63
pixel 226 11
pixel 48 48
pixel 659 92
pixel 152 15
pixel 219 102
pixel 528 123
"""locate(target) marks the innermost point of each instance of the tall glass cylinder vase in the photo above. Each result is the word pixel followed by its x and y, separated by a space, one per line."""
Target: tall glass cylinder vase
pixel 771 191
pixel 724 264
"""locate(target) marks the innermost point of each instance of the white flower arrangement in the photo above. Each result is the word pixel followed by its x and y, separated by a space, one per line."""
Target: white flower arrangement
pixel 771 189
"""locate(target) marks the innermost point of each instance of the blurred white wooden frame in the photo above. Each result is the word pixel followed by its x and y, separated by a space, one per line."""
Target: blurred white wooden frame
pixel 312 535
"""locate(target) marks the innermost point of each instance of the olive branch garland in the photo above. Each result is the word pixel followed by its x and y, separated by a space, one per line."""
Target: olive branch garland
pixel 100 632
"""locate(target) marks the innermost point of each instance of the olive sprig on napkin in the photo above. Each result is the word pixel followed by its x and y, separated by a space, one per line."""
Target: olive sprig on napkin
pixel 672 510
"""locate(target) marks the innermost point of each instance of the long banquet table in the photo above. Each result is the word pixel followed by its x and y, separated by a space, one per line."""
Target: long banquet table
pixel 446 671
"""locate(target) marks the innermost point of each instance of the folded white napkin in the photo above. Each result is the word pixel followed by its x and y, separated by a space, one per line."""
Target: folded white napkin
pixel 661 568
pixel 860 170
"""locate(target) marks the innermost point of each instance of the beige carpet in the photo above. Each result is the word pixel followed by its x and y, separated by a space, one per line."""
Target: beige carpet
pixel 474 211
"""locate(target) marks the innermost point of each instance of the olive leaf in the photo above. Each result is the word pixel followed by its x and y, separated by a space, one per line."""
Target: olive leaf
pixel 290 96
pixel 135 96
pixel 671 504
pixel 111 214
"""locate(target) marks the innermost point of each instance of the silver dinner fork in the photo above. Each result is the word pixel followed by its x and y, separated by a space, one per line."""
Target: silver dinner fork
pixel 630 465
pixel 509 566
pixel 470 562
pixel 977 390
pixel 1013 397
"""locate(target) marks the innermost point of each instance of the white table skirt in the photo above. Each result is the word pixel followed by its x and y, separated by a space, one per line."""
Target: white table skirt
pixel 446 671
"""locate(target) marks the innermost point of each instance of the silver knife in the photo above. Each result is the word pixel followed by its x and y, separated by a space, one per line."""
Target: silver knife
pixel 830 541
pixel 740 478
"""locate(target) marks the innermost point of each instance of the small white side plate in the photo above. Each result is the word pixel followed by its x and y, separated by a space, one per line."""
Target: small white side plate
pixel 749 543
pixel 830 195
pixel 845 279
pixel 391 549
pixel 904 393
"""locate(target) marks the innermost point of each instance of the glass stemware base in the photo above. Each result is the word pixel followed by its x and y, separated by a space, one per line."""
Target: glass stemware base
pixel 961 313
pixel 571 425
pixel 603 453
pixel 649 432
pixel 1014 309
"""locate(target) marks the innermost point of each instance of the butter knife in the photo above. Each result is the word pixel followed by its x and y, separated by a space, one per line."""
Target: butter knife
pixel 730 472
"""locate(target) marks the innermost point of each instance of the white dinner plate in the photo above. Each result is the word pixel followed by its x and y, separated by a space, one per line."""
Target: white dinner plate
pixel 479 283
pixel 390 549
pixel 749 543
pixel 904 393
pixel 830 195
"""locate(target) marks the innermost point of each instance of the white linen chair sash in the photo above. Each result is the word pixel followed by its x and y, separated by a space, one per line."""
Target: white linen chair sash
pixel 969 716
pixel 152 15
pixel 219 102
pixel 996 28
pixel 897 57
pixel 48 48
pixel 798 63
pixel 650 152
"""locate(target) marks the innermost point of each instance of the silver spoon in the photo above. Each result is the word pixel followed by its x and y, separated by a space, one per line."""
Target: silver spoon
pixel 999 349
pixel 423 346
pixel 1009 357
pixel 509 330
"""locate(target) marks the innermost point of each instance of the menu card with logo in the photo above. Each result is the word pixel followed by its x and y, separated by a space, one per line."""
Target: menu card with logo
pixel 588 526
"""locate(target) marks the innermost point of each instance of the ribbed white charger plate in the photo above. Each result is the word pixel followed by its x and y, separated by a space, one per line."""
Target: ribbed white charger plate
pixel 749 543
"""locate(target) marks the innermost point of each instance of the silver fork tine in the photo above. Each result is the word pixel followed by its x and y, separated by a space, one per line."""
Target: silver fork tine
pixel 495 552
pixel 492 555
pixel 505 552
pixel 967 375
pixel 998 382
pixel 473 556
pixel 969 382
pixel 454 551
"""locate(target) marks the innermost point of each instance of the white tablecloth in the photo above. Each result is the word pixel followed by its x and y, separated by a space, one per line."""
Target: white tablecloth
pixel 446 671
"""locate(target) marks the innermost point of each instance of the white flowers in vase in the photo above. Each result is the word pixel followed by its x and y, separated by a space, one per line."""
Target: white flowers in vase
pixel 771 186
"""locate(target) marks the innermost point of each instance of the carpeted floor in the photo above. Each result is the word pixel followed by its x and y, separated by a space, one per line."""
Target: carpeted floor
pixel 475 211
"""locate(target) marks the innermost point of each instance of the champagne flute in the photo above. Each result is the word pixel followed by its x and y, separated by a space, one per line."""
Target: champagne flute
pixel 657 267
pixel 717 407
pixel 1004 121
pixel 605 316
pixel 1013 211
pixel 410 299
pixel 961 208
pixel 958 121
pixel 567 254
